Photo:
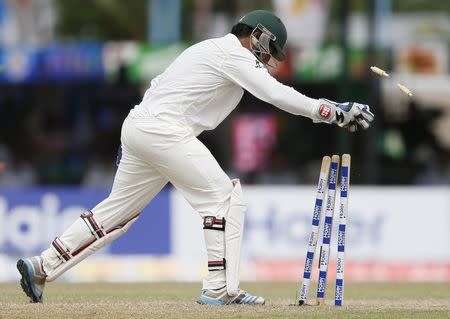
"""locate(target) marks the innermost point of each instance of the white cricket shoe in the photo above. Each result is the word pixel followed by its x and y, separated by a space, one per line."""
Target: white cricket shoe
pixel 33 277
pixel 221 297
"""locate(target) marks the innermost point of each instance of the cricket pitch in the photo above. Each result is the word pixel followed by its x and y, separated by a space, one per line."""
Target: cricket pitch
pixel 178 300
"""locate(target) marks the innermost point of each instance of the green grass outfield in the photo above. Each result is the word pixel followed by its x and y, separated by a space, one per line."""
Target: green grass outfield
pixel 178 300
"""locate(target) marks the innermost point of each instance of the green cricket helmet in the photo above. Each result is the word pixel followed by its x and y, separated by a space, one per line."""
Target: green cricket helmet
pixel 271 27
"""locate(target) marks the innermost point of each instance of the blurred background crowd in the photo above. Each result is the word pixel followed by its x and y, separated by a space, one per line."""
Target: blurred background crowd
pixel 71 70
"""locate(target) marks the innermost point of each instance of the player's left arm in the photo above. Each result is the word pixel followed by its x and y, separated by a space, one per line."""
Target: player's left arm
pixel 246 71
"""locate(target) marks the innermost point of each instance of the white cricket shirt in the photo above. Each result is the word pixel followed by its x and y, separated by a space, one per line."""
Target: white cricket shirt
pixel 205 83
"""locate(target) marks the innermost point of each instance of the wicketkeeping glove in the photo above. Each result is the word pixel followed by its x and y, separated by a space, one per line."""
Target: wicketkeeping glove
pixel 348 115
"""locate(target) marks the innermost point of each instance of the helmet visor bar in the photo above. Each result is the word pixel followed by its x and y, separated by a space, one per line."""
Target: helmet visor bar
pixel 260 46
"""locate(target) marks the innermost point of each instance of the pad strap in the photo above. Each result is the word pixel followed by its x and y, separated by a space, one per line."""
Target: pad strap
pixel 212 222
pixel 94 228
pixel 217 265
pixel 61 250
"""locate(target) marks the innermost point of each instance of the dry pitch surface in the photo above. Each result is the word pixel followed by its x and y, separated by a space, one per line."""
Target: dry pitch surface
pixel 178 300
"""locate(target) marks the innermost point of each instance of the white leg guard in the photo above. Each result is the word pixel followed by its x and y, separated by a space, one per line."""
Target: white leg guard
pixel 214 230
pixel 102 238
pixel 233 237
pixel 223 238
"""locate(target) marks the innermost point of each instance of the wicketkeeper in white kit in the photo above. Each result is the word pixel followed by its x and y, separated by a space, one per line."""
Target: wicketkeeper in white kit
pixel 159 145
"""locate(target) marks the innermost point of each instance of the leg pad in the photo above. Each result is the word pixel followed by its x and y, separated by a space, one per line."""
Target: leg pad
pixel 90 249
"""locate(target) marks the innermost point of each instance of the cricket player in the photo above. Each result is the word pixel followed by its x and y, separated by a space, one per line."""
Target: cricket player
pixel 159 145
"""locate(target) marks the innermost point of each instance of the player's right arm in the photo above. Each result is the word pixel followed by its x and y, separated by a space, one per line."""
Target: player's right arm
pixel 245 70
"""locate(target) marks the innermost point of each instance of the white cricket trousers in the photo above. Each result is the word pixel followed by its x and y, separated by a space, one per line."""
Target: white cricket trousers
pixel 155 152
